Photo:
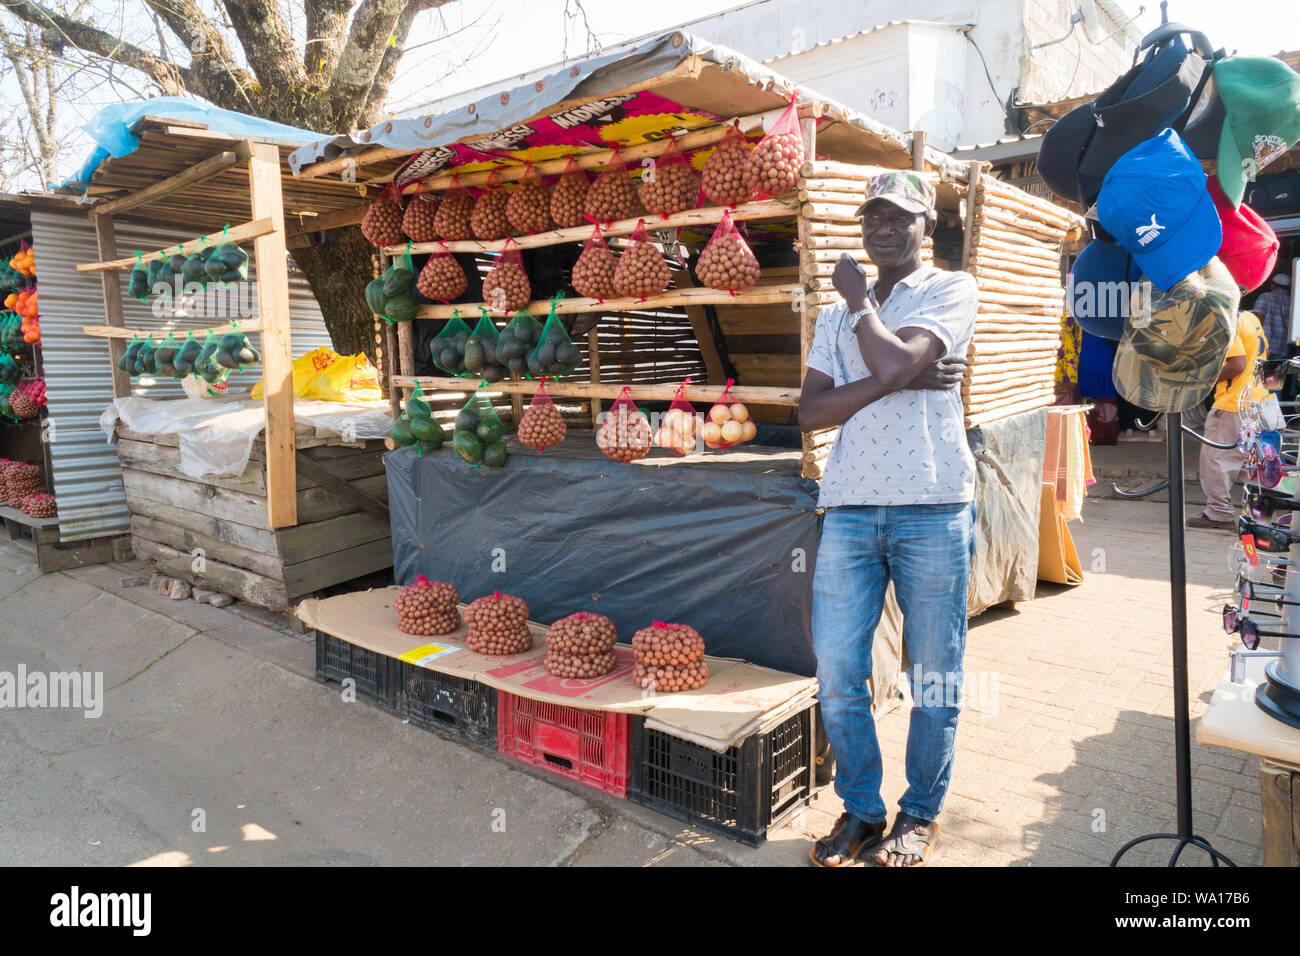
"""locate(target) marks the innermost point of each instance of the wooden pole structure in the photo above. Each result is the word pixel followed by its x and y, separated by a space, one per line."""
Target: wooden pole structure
pixel 807 312
pixel 918 150
pixel 111 283
pixel 277 355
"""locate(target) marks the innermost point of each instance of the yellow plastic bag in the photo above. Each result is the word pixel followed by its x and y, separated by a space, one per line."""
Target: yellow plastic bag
pixel 325 375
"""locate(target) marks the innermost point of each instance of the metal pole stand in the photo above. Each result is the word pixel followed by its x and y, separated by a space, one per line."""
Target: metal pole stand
pixel 1185 837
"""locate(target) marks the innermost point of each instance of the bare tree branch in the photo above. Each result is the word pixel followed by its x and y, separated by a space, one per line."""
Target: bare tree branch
pixel 372 109
pixel 213 74
pixel 267 42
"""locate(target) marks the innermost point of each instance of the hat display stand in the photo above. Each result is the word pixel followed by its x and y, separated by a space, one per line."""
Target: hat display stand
pixel 1185 836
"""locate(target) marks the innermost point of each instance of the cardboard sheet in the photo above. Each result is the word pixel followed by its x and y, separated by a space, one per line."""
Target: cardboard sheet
pixel 738 699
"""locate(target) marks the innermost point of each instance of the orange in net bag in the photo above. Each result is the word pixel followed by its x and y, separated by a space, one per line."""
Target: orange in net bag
pixel 728 422
pixel 679 428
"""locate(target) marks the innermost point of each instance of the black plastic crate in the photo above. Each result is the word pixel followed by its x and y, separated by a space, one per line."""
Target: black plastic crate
pixel 754 787
pixel 455 705
pixel 338 660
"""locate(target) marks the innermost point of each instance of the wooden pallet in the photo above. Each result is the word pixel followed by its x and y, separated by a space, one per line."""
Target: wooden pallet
pixel 40 536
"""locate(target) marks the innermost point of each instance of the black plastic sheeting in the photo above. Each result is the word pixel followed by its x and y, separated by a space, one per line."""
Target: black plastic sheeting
pixel 730 550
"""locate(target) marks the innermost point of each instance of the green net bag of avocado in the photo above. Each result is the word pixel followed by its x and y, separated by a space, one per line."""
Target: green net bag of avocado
pixel 164 356
pixel 555 354
pixel 417 427
pixel 482 354
pixel 206 366
pixel 194 269
pixel 137 286
pixel 397 286
pixel 479 435
pixel 228 262
pixel 517 339
pixel 154 271
pixel 127 362
pixel 449 346
pixel 144 358
pixel 234 351
pixel 187 357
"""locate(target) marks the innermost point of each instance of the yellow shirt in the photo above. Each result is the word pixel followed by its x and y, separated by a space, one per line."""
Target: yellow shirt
pixel 1251 344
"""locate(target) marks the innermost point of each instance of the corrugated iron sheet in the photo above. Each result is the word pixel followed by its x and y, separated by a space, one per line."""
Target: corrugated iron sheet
pixel 79 382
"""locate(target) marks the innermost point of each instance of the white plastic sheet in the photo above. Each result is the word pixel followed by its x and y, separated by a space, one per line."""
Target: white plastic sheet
pixel 216 437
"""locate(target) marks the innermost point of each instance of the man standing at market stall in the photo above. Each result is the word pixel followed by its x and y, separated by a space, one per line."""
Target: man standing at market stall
pixel 898 490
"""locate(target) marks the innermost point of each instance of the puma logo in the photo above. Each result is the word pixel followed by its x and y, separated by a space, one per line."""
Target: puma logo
pixel 1148 232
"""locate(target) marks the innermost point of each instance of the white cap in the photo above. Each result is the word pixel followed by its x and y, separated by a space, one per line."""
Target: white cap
pixel 1282 279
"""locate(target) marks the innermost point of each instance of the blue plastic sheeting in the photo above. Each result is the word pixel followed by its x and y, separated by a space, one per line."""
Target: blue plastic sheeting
pixel 111 127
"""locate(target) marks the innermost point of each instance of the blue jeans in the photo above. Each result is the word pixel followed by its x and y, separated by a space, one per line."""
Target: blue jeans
pixel 925 550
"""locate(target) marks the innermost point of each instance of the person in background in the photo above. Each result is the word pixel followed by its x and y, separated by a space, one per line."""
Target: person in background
pixel 1274 311
pixel 1219 467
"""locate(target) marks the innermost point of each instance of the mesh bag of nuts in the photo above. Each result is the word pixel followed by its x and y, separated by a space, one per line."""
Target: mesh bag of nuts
pixel 569 196
pixel 641 271
pixel 723 179
pixel 679 429
pixel 582 634
pixel 542 426
pixel 418 219
pixel 22 480
pixel 451 221
pixel 40 505
pixel 613 195
pixel 579 666
pixel 442 277
pixel 529 206
pixel 727 263
pixel 489 219
pixel 624 435
pixel 517 339
pixel 498 624
pixel 555 353
pixel 448 347
pixel 593 273
pixel 382 223
pixel 774 164
pixel 728 422
pixel 506 288
pixel 669 657
pixel 427 607
pixel 669 184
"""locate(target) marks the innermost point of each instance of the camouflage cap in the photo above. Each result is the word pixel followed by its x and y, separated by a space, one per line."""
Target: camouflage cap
pixel 1176 341
pixel 905 189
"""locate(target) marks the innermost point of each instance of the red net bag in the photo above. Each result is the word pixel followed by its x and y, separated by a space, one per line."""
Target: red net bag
pixel 498 624
pixel 641 271
pixel 382 223
pixel 451 221
pixel 442 277
pixel 728 422
pixel 22 480
pixel 569 196
pixel 773 165
pixel 40 505
pixel 593 273
pixel 727 263
pixel 669 657
pixel 625 433
pixel 418 219
pixel 679 427
pixel 489 219
pixel 427 608
pixel 669 184
pixel 506 288
pixel 613 195
pixel 723 179
pixel 529 206
pixel 581 645
pixel 542 426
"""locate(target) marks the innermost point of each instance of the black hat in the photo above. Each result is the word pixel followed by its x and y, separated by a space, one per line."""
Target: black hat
pixel 1061 149
pixel 1202 133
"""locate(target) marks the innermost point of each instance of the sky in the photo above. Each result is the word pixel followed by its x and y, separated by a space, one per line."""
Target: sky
pixel 491 40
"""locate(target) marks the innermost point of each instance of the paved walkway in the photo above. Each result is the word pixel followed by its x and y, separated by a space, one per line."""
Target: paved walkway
pixel 1067 755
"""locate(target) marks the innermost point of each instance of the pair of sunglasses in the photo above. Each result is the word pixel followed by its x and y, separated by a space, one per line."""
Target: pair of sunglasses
pixel 1263 537
pixel 1256 591
pixel 1236 621
pixel 1273 374
pixel 1263 465
pixel 1239 559
pixel 1263 503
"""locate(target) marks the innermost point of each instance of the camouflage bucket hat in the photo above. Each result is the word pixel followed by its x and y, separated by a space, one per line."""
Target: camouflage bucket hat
pixel 906 190
pixel 1175 343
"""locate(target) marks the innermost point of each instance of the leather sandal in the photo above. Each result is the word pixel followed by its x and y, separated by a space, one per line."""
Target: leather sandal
pixel 849 837
pixel 911 836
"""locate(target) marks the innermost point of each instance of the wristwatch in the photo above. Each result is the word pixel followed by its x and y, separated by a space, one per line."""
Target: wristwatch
pixel 858 316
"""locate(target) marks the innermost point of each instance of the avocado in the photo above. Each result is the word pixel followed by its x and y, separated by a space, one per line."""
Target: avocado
pixel 450 359
pixel 212 374
pixel 534 366
pixel 233 275
pixel 545 355
pixel 193 270
pixel 205 253
pixel 375 298
pixel 214 267
pixel 507 350
pixel 556 336
pixel 246 356
pixel 524 333
pixel 181 365
pixel 426 447
pixel 517 365
pixel 466 421
pixel 138 287
pixel 491 430
pixel 152 270
pixel 206 355
pixel 225 359
pixel 144 363
pixel 494 456
pixel 418 408
pixel 468 447
pixel 401 308
pixel 426 429
pixel 230 341
pixel 398 282
pixel 473 355
pixel 493 373
pixel 401 431
pixel 567 354
pixel 178 262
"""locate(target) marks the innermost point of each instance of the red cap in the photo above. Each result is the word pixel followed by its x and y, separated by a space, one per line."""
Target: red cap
pixel 1250 246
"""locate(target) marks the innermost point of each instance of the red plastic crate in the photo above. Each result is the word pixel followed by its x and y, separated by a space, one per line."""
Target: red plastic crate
pixel 587 746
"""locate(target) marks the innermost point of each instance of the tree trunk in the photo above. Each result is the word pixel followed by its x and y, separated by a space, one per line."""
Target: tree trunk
pixel 337 272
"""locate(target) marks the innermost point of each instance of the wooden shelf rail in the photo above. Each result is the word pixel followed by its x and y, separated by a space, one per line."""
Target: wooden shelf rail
pixel 750 395
pixel 241 233
pixel 758 295
pixel 117 332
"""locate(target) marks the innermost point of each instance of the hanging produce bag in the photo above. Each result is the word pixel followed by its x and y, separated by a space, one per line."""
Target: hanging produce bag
pixel 774 164
pixel 727 263
pixel 679 428
pixel 479 435
pixel 542 426
pixel 392 295
pixel 728 422
pixel 234 351
pixel 382 223
pixel 127 362
pixel 506 288
pixel 228 262
pixel 489 219
pixel 593 273
pixel 481 356
pixel 624 435
pixel 138 285
pixel 568 198
pixel 448 347
pixel 154 269
pixel 529 206
pixel 207 368
pixel 613 195
pixel 144 358
pixel 723 180
pixel 165 355
pixel 442 278
pixel 669 184
pixel 641 271
pixel 194 271
pixel 417 426
pixel 451 221
pixel 187 356
pixel 517 339
pixel 555 354
pixel 419 219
